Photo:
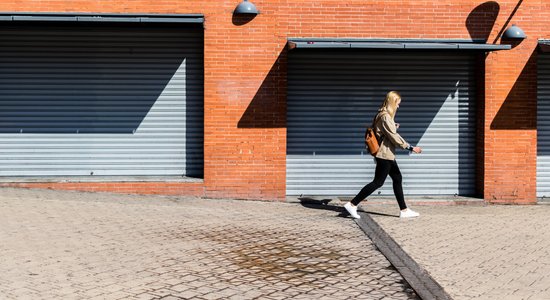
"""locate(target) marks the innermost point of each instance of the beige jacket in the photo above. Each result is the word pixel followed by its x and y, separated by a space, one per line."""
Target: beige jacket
pixel 385 127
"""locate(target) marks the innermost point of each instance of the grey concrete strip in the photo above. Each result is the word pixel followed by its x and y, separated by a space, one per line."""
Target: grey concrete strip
pixel 419 279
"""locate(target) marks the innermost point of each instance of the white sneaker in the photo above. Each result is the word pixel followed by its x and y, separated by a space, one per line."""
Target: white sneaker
pixel 352 210
pixel 408 213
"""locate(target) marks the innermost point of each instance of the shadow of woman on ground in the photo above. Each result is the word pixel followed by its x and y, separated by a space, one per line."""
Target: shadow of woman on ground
pixel 325 205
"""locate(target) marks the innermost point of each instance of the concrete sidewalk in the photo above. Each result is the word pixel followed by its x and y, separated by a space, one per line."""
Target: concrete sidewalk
pixel 476 252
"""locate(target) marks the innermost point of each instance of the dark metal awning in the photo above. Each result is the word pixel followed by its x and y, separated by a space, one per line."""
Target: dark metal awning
pixel 85 17
pixel 294 43
pixel 544 45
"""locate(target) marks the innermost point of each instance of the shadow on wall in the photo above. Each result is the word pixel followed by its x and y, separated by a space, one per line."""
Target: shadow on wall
pixel 333 94
pixel 242 19
pixel 481 20
pixel 505 26
pixel 543 106
pixel 520 107
pixel 268 107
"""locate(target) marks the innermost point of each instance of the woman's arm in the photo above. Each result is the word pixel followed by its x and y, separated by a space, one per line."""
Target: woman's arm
pixel 390 132
pixel 389 128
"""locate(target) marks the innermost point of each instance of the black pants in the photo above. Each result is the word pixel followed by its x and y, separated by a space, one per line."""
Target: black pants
pixel 384 168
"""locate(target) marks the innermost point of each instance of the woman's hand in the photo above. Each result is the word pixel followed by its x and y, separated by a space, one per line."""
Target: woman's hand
pixel 417 150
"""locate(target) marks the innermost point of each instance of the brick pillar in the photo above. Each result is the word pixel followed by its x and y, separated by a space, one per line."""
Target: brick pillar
pixel 245 104
pixel 510 140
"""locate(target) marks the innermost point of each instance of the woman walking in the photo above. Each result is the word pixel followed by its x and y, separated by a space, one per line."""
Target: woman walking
pixel 386 130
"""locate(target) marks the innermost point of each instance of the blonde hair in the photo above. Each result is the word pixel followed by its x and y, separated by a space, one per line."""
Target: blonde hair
pixel 390 103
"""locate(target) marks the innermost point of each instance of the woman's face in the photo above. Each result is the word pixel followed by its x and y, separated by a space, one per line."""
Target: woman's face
pixel 397 103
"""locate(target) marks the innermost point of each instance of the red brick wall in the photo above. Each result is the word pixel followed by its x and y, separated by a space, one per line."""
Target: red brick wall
pixel 510 112
pixel 245 82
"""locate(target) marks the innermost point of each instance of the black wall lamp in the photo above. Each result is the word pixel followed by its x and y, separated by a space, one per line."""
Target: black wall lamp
pixel 246 8
pixel 514 33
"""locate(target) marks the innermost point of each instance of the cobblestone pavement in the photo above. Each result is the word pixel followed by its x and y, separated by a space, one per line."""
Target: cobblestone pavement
pixel 473 252
pixel 70 245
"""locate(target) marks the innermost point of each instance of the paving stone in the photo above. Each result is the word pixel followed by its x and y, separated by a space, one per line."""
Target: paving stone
pixel 187 294
pixel 76 245
pixel 144 296
pixel 473 252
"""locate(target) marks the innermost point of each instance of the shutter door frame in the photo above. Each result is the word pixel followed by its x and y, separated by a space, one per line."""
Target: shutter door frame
pixel 543 125
pixel 325 156
pixel 108 99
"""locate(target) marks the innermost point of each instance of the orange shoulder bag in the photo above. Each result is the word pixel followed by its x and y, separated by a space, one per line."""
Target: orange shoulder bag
pixel 372 144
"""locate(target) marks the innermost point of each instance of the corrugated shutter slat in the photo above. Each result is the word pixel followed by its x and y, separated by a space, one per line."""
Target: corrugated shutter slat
pixel 115 99
pixel 543 126
pixel 333 94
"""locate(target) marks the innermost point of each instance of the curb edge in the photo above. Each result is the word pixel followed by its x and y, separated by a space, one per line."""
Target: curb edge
pixel 418 278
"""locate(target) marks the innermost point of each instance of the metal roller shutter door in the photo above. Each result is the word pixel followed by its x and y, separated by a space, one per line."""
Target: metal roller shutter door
pixel 332 95
pixel 121 100
pixel 543 127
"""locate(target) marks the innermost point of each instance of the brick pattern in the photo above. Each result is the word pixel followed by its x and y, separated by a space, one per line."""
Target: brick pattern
pixel 491 252
pixel 144 188
pixel 245 80
pixel 510 112
pixel 74 245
